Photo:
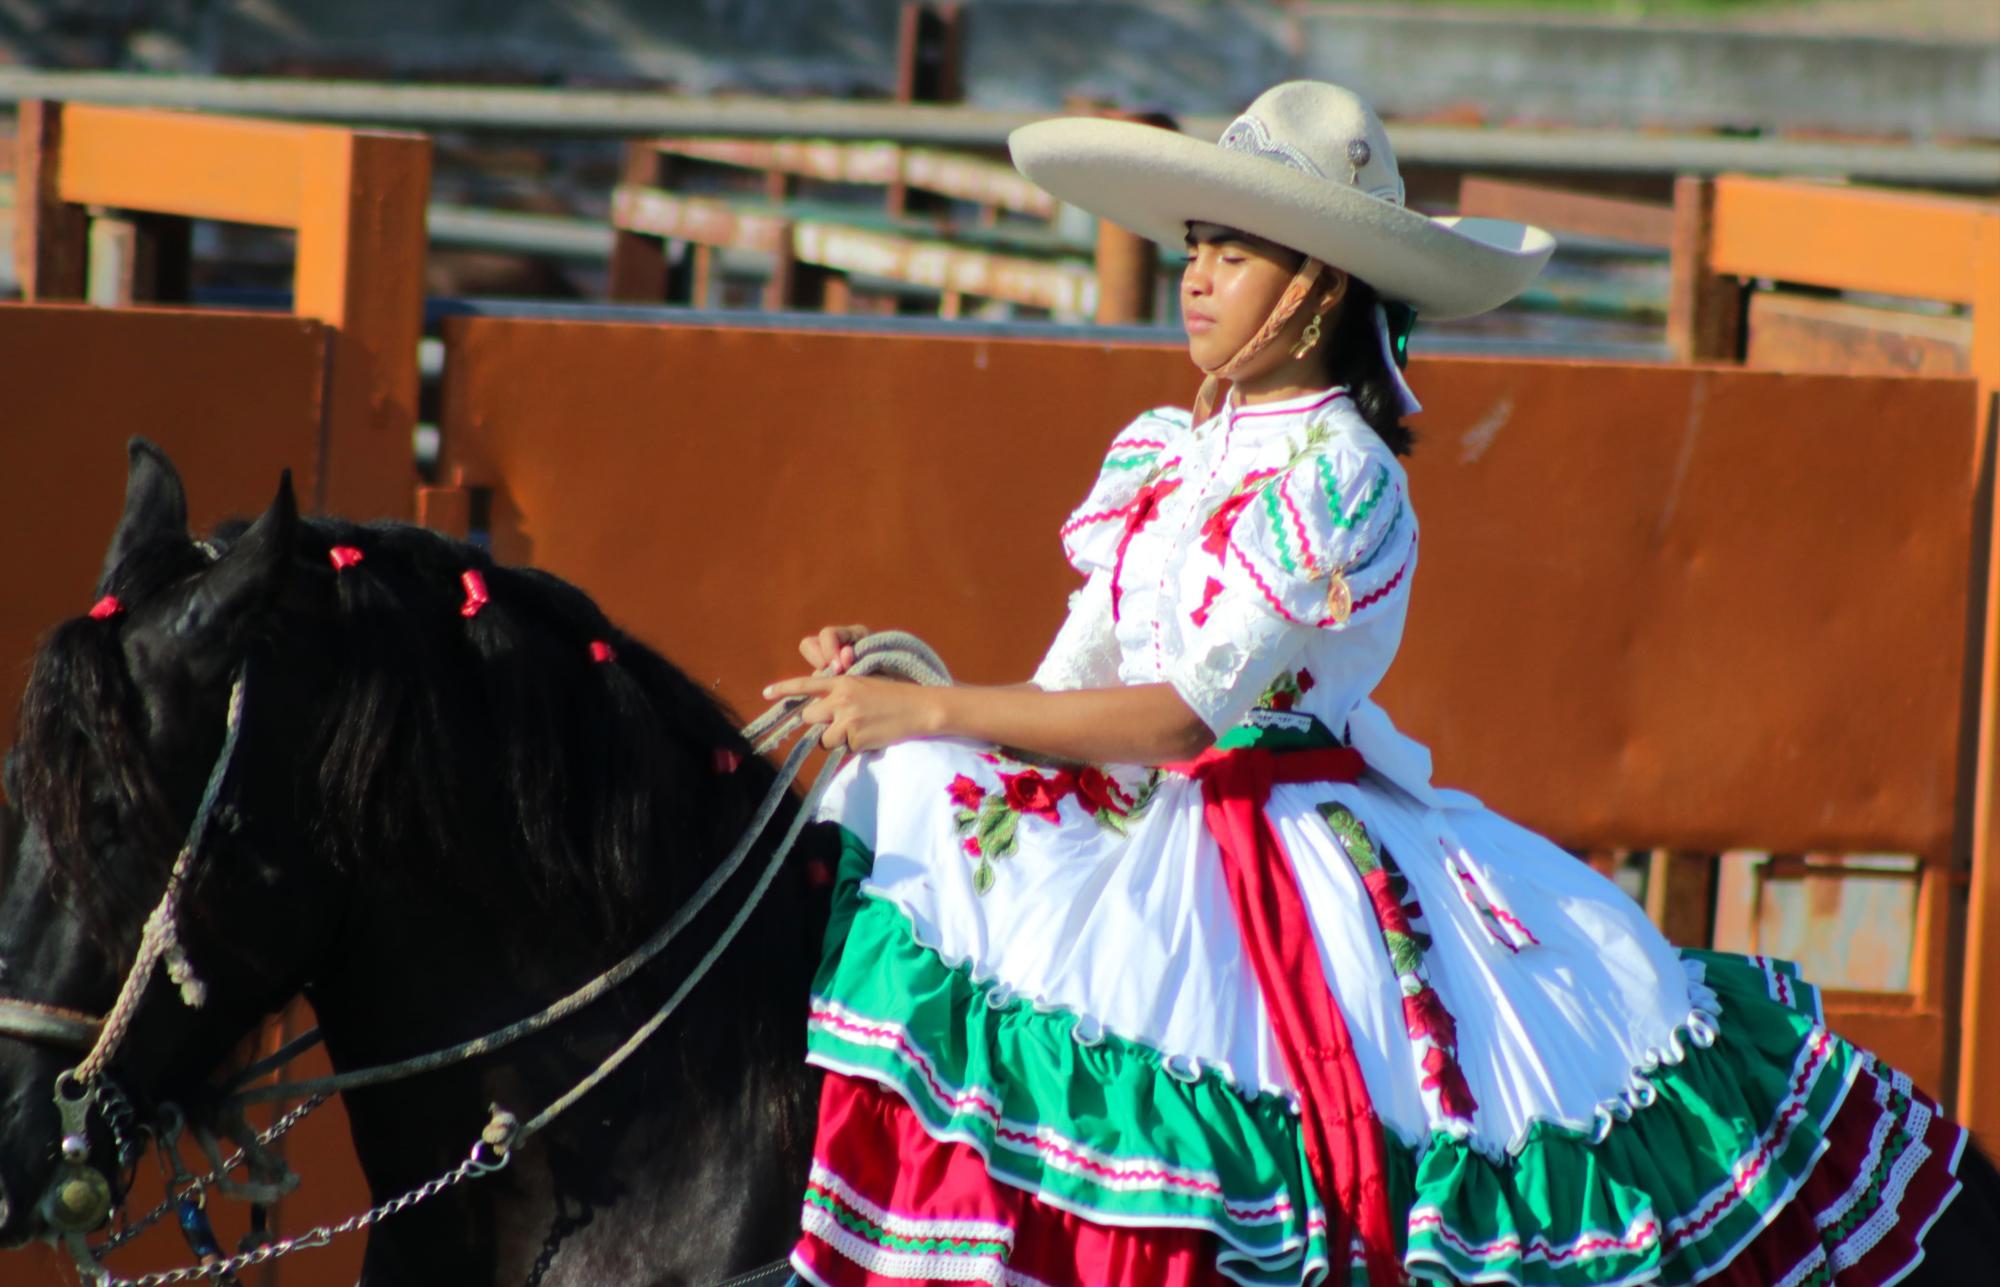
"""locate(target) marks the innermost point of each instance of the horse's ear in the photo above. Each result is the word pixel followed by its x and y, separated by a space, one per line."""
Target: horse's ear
pixel 155 505
pixel 249 576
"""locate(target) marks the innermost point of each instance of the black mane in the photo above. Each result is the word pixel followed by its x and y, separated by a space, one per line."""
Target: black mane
pixel 599 764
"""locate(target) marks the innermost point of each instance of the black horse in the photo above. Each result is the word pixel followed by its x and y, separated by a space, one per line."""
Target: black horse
pixel 441 814
pixel 453 799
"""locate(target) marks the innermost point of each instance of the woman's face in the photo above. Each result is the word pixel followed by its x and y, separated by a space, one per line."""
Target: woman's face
pixel 1231 283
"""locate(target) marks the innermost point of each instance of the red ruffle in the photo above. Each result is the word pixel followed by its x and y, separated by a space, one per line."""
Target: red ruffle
pixel 879 1150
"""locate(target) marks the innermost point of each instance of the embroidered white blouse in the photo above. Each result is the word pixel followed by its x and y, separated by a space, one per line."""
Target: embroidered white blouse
pixel 1211 552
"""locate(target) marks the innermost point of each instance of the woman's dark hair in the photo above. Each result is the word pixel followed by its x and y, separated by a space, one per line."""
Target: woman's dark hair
pixel 1354 358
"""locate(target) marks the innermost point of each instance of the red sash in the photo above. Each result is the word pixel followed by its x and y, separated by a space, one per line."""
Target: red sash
pixel 1343 1137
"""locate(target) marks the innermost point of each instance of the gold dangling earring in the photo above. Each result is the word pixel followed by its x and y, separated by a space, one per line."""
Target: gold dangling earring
pixel 1307 340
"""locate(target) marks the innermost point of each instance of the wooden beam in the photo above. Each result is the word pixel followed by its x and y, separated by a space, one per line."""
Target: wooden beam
pixel 1680 896
pixel 51 235
pixel 1704 305
pixel 1789 332
pixel 1060 288
pixel 1979 1013
pixel 703 219
pixel 1644 223
pixel 1848 238
pixel 929 54
pixel 639 270
pixel 205 167
pixel 952 174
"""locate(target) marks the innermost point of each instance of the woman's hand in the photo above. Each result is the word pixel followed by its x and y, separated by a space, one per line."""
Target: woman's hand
pixel 833 646
pixel 860 712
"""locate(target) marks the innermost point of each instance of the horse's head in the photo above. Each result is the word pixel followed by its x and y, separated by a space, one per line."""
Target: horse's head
pixel 122 722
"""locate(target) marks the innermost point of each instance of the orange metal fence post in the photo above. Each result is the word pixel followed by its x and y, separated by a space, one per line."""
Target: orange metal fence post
pixel 356 199
pixel 360 267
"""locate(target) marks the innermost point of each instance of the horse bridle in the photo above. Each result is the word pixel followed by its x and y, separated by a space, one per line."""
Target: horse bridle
pixel 79 1198
pixel 48 1025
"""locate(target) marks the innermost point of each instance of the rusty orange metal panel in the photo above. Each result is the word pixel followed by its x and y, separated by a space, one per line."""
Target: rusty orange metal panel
pixel 1626 566
pixel 1849 238
pixel 1694 608
pixel 233 398
pixel 208 167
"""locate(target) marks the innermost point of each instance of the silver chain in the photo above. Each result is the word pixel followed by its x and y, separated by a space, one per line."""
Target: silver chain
pixel 277 1131
pixel 483 1160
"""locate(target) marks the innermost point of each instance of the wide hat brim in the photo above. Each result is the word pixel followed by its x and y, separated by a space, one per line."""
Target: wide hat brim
pixel 1155 181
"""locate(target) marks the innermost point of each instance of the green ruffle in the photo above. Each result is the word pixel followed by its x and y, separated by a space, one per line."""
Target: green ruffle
pixel 1107 1130
pixel 1100 1127
pixel 1576 1199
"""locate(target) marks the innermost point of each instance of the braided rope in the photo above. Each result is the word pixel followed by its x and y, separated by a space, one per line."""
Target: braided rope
pixel 160 939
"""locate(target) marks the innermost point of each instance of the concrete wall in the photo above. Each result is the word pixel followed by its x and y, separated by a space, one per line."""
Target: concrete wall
pixel 1189 57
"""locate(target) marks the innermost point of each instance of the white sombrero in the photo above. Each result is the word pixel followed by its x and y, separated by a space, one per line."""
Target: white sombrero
pixel 1308 165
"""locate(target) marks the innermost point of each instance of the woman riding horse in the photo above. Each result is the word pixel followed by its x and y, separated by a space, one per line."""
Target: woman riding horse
pixel 1174 967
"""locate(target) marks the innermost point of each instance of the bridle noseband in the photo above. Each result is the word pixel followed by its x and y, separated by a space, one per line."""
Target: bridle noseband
pixel 48 1025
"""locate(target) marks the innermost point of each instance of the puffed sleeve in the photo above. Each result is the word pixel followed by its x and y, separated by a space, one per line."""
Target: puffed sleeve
pixel 1327 544
pixel 1137 455
pixel 1085 651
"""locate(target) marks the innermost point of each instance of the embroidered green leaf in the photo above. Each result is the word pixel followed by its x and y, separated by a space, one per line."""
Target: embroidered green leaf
pixel 963 820
pixel 1352 835
pixel 997 826
pixel 1404 953
pixel 982 878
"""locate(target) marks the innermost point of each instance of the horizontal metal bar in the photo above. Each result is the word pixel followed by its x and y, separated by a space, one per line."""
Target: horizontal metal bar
pixel 630 114
pixel 510 232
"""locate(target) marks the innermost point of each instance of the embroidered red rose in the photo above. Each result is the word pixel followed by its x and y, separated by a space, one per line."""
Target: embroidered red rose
pixel 1306 681
pixel 965 793
pixel 971 847
pixel 1389 912
pixel 1424 1015
pixel 1030 792
pixel 1442 1074
pixel 1215 531
pixel 1281 700
pixel 1097 792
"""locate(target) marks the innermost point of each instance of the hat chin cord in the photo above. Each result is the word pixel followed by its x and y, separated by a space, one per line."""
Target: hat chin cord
pixel 1282 313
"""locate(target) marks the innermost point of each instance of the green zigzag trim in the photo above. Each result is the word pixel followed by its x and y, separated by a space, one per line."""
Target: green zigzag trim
pixel 1335 505
pixel 874 1233
pixel 1278 527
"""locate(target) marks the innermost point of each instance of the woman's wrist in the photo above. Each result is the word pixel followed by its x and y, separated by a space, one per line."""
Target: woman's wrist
pixel 938 712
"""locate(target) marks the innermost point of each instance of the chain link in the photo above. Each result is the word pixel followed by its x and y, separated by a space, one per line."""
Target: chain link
pixel 481 1161
pixel 277 1131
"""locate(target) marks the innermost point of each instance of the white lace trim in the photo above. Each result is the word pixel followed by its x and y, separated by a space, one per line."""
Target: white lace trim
pixel 1085 651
